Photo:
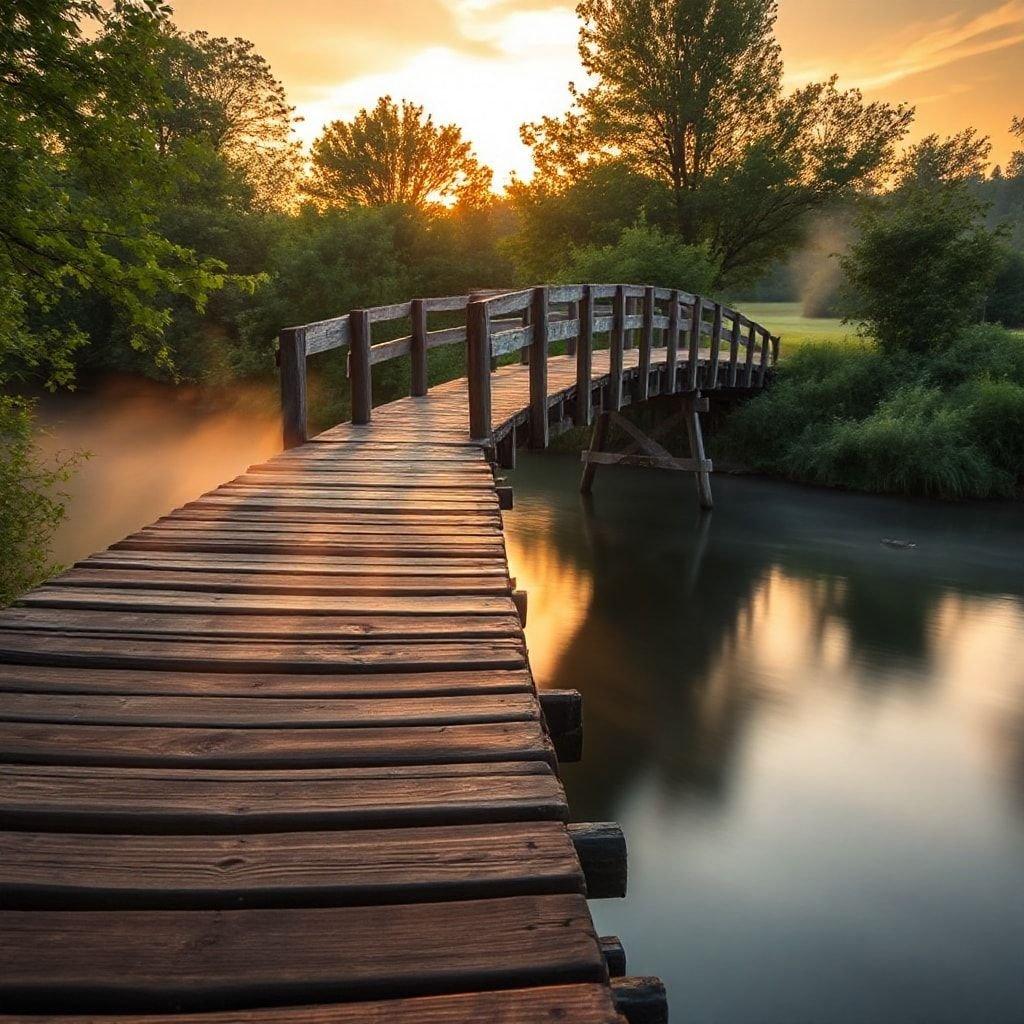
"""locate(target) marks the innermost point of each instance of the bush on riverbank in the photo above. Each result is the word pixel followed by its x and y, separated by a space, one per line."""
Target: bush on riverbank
pixel 946 423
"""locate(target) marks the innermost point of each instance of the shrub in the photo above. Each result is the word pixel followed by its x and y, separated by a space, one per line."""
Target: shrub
pixel 31 508
pixel 982 351
pixel 642 255
pixel 1006 297
pixel 993 411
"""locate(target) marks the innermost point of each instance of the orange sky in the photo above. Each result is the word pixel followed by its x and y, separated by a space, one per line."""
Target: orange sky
pixel 488 65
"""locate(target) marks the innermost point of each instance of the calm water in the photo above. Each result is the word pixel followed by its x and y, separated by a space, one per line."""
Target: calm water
pixel 814 742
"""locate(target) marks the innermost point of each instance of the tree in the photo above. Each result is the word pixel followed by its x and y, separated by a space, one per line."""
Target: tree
pixel 81 179
pixel 1015 168
pixel 689 93
pixel 924 260
pixel 395 155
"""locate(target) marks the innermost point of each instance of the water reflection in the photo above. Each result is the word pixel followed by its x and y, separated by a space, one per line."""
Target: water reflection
pixel 814 741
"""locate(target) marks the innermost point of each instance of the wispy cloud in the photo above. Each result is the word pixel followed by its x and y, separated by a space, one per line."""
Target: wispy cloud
pixel 928 46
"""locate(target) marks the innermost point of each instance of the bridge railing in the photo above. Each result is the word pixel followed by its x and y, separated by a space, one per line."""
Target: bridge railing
pixel 530 321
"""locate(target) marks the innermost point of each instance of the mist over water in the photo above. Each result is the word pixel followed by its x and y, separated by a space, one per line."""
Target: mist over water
pixel 814 741
pixel 153 447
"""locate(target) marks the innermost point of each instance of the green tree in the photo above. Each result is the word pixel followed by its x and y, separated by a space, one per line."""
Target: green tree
pixel 689 93
pixel 924 260
pixel 395 155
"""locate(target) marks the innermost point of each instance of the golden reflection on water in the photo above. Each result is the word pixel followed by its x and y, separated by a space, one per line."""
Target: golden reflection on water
pixel 559 593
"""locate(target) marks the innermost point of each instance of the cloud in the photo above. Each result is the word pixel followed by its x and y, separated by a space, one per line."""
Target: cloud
pixel 927 46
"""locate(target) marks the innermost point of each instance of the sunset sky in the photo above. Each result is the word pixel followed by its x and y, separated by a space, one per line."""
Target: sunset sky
pixel 489 65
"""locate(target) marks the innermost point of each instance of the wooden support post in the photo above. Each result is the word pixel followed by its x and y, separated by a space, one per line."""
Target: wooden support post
pixel 359 369
pixel 748 367
pixel 292 361
pixel 696 326
pixel 539 370
pixel 478 369
pixel 776 345
pixel 672 344
pixel 711 377
pixel 506 449
pixel 734 350
pixel 617 341
pixel 646 344
pixel 519 599
pixel 419 348
pixel 597 443
pixel 641 1000
pixel 601 848
pixel 563 711
pixel 524 353
pixel 614 954
pixel 763 367
pixel 583 414
pixel 505 498
pixel 696 437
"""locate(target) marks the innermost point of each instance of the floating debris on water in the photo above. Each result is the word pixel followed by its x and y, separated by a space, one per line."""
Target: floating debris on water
pixel 901 545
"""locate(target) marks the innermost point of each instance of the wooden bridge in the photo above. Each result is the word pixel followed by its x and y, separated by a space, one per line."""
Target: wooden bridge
pixel 279 757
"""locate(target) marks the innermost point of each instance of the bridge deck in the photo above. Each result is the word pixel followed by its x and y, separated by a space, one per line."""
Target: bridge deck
pixel 279 756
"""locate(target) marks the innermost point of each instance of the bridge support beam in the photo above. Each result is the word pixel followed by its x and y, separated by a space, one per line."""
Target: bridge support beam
pixel 291 358
pixel 651 454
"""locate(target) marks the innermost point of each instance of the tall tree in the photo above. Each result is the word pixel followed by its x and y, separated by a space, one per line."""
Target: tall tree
pixel 395 155
pixel 689 92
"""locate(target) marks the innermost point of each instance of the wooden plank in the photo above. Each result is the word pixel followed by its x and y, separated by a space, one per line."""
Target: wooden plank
pixel 102 961
pixel 145 652
pixel 197 621
pixel 327 334
pixel 297 544
pixel 394 349
pixel 163 746
pixel 196 801
pixel 40 870
pixel 265 712
pixel 263 682
pixel 272 583
pixel 567 1004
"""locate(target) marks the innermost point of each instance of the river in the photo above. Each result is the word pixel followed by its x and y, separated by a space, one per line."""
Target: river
pixel 813 740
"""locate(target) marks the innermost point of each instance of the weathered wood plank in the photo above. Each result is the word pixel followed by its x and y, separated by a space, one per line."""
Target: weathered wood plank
pixel 40 870
pixel 166 801
pixel 363 747
pixel 101 961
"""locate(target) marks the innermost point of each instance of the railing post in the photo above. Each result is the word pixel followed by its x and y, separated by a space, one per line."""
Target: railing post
pixel 615 346
pixel 291 344
pixel 734 350
pixel 696 326
pixel 539 370
pixel 419 348
pixel 672 343
pixel 360 378
pixel 711 378
pixel 763 368
pixel 584 360
pixel 478 369
pixel 646 342
pixel 748 368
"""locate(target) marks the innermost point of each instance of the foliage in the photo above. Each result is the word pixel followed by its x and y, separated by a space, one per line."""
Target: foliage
pixel 32 507
pixel 81 179
pixel 1006 295
pixel 924 259
pixel 643 255
pixel 947 423
pixel 689 94
pixel 394 155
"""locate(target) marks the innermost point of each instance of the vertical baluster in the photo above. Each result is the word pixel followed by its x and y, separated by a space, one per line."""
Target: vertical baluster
pixel 584 360
pixel 696 326
pixel 763 367
pixel 539 370
pixel 672 343
pixel 573 314
pixel 419 348
pixel 360 371
pixel 292 360
pixel 734 349
pixel 616 344
pixel 646 342
pixel 748 368
pixel 478 369
pixel 711 377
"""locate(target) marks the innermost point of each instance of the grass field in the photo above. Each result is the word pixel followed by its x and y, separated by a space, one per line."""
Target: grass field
pixel 795 329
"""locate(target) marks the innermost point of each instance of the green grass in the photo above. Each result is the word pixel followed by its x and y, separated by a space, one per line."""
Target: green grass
pixel 786 320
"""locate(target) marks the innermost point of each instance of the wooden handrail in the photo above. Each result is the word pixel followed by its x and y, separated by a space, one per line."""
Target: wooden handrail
pixel 499 323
